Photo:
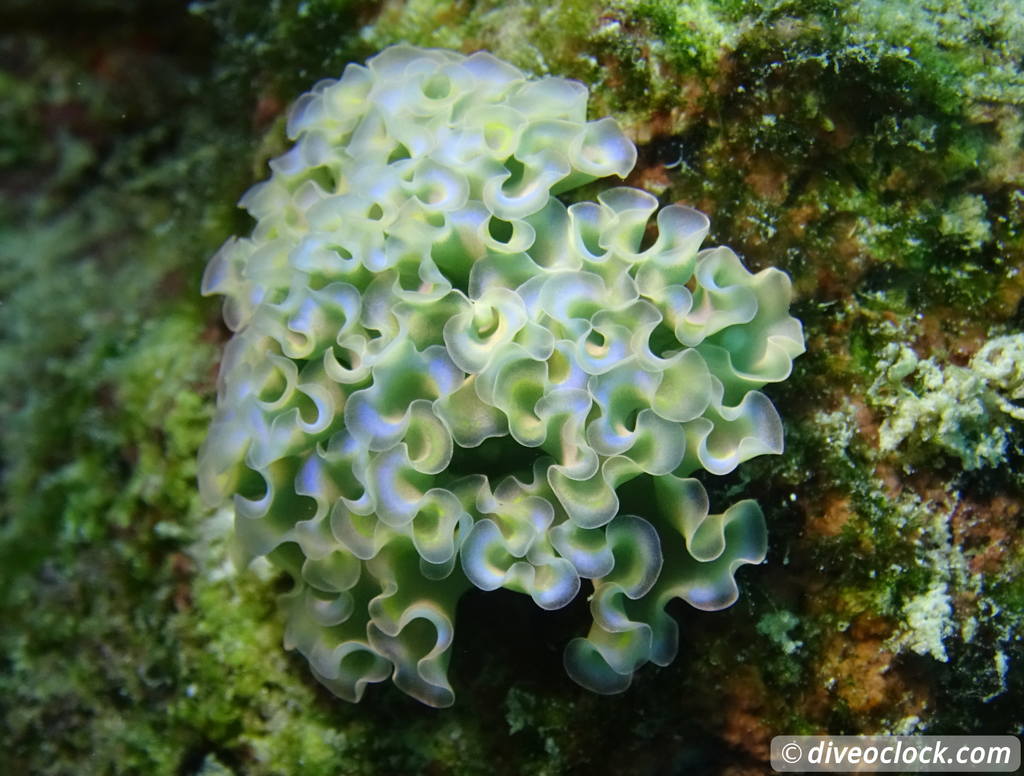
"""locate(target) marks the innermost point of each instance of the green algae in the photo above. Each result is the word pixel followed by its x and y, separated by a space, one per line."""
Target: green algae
pixel 969 412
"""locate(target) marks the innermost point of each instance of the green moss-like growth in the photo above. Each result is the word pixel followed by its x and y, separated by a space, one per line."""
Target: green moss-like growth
pixel 969 412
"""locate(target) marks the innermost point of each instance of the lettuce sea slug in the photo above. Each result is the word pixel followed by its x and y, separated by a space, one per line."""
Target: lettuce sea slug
pixel 441 377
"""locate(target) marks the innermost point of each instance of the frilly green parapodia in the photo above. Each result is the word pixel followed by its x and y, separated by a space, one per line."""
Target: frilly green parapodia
pixel 440 376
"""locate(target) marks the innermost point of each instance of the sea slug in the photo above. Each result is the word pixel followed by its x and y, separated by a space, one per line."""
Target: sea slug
pixel 443 377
